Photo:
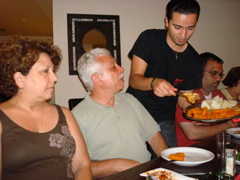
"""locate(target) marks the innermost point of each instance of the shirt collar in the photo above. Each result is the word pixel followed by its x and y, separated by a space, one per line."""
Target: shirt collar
pixel 99 105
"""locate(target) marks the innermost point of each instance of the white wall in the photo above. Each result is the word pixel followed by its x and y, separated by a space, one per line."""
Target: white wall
pixel 218 31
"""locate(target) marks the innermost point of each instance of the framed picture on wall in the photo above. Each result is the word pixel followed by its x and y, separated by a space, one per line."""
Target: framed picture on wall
pixel 86 32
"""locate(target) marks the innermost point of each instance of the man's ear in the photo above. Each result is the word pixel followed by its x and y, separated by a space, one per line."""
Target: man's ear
pixel 18 77
pixel 96 78
pixel 166 22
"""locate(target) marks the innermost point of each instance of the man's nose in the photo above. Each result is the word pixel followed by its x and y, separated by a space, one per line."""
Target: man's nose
pixel 183 33
pixel 120 69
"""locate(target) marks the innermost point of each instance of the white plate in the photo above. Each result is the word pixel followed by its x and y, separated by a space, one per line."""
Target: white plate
pixel 174 175
pixel 237 162
pixel 193 156
pixel 232 130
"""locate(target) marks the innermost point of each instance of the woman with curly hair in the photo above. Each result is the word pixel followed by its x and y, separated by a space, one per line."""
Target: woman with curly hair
pixel 232 81
pixel 38 140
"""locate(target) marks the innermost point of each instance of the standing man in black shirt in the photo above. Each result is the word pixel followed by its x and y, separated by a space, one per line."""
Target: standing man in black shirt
pixel 163 62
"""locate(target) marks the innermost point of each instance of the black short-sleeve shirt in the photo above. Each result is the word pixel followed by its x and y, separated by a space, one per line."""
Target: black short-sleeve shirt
pixel 185 72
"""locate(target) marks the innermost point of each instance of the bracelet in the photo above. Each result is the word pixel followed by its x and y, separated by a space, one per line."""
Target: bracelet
pixel 152 82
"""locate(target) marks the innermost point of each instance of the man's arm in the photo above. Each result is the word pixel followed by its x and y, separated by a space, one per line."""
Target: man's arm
pixel 158 143
pixel 137 80
pixel 196 132
pixel 107 167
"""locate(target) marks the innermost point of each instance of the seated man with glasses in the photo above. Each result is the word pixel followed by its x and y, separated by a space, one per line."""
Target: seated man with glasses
pixel 190 132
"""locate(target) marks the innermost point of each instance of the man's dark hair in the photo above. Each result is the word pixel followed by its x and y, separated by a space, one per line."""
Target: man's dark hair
pixel 207 56
pixel 182 7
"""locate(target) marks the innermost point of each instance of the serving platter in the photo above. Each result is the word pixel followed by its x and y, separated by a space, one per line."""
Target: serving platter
pixel 206 120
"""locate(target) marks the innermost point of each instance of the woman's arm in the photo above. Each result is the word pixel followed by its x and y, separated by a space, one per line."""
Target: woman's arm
pixel 81 164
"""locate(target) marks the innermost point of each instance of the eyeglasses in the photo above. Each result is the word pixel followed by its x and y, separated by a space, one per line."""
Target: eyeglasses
pixel 215 74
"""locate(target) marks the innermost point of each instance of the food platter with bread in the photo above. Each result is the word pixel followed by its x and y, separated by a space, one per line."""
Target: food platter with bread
pixel 213 110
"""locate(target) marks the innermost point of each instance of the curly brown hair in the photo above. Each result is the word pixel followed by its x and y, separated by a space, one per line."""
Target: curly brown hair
pixel 19 55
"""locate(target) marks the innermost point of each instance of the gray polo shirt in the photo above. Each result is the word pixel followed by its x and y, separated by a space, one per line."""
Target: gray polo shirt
pixel 116 132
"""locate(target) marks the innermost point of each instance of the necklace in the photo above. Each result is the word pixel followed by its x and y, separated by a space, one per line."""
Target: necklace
pixel 176 54
pixel 41 130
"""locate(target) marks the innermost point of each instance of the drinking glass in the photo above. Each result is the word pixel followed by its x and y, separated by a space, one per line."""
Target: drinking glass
pixel 222 140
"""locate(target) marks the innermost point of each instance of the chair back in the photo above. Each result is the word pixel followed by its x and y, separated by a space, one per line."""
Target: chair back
pixel 73 102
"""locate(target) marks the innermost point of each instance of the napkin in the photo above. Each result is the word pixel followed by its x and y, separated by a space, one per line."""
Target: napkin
pixel 175 175
pixel 235 120
pixel 238 177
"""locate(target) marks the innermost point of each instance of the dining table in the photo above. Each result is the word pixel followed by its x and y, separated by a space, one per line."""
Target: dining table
pixel 198 171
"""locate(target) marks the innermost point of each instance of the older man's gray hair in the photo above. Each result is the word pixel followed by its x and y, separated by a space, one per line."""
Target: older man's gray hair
pixel 88 65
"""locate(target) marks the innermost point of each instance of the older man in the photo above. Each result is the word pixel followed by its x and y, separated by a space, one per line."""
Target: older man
pixel 188 132
pixel 115 125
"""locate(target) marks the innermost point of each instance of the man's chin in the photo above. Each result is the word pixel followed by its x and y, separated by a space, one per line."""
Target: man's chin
pixel 121 88
pixel 180 43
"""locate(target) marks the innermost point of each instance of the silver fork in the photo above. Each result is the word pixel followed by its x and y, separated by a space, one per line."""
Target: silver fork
pixel 179 93
pixel 148 177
